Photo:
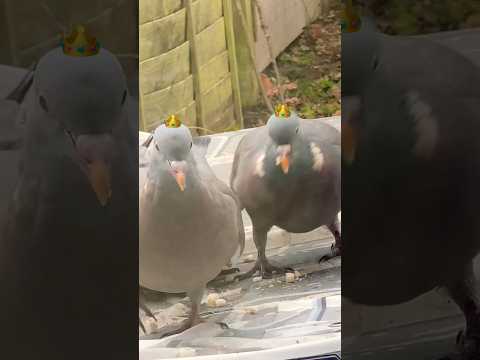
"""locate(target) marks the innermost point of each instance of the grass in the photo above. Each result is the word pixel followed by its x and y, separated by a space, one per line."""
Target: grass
pixel 310 72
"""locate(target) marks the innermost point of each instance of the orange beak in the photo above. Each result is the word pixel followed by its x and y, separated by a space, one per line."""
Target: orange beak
pixel 95 152
pixel 180 178
pixel 285 163
pixel 98 175
pixel 283 158
pixel 349 143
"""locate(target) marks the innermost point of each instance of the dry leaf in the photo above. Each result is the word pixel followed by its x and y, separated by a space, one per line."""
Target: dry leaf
pixel 316 31
pixel 290 86
pixel 292 101
pixel 267 85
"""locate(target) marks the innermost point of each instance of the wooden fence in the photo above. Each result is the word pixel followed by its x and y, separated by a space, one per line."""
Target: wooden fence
pixel 193 54
pixel 195 60
pixel 188 63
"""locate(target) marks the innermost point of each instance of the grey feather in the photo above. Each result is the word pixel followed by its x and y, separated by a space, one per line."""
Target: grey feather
pixel 300 201
pixel 185 237
pixel 412 189
pixel 58 242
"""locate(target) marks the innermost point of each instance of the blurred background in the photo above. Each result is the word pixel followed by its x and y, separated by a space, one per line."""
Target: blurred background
pixel 410 17
pixel 30 29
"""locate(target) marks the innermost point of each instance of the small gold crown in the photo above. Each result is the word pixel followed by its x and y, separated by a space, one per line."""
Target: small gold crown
pixel 351 22
pixel 79 43
pixel 173 122
pixel 282 110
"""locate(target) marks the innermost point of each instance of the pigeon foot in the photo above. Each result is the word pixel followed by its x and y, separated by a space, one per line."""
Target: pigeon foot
pixel 187 325
pixel 334 252
pixel 142 325
pixel 265 269
pixel 468 345
pixel 143 305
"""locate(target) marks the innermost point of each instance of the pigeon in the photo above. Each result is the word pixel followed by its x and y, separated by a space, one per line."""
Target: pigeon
pixel 288 174
pixel 10 139
pixel 411 162
pixel 66 248
pixel 190 221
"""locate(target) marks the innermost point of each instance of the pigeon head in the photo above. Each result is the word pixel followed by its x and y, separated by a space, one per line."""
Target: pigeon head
pixel 283 128
pixel 360 50
pixel 173 143
pixel 81 99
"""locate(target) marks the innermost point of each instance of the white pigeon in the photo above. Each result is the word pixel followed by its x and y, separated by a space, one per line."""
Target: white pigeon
pixel 190 221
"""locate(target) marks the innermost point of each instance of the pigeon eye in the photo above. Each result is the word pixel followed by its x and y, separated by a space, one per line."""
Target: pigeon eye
pixel 43 103
pixel 124 97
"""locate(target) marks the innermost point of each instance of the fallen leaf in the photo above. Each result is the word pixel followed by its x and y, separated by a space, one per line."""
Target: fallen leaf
pixel 267 85
pixel 316 31
pixel 290 86
pixel 292 101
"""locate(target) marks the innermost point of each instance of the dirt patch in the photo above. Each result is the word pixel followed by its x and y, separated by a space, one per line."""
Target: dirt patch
pixel 310 72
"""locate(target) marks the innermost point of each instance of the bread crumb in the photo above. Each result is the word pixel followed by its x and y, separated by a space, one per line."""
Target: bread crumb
pixel 290 277
pixel 257 279
pixel 186 352
pixel 220 302
pixel 212 299
pixel 250 311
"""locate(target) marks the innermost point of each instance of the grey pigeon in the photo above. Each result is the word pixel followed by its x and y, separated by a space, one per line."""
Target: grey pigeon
pixel 13 93
pixel 11 135
pixel 410 177
pixel 67 246
pixel 288 174
pixel 190 221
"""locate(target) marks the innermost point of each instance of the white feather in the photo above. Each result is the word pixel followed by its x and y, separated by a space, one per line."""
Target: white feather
pixel 426 126
pixel 260 165
pixel 318 158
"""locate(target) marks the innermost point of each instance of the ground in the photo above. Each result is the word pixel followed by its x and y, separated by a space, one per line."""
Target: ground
pixel 310 72
pixel 410 17
pixel 310 66
pixel 171 309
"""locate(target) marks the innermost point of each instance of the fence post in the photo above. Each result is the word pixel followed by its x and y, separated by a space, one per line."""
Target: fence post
pixel 249 88
pixel 191 35
pixel 232 58
pixel 143 122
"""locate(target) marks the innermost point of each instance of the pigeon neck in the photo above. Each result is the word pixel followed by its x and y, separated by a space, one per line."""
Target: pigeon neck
pixel 160 174
pixel 273 173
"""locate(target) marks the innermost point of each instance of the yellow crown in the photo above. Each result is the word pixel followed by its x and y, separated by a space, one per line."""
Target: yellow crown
pixel 351 22
pixel 79 43
pixel 173 122
pixel 282 110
